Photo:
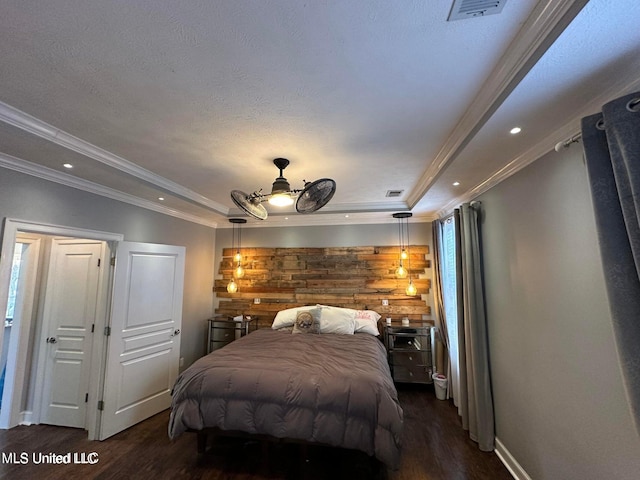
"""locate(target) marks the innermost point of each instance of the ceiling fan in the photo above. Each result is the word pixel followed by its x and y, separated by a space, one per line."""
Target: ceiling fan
pixel 312 197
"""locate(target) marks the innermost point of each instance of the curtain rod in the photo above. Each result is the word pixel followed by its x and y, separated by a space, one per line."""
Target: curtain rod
pixel 567 143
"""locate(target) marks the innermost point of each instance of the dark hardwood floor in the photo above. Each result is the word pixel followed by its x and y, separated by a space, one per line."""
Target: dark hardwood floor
pixel 435 447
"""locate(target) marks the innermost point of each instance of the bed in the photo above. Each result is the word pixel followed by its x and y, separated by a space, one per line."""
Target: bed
pixel 327 388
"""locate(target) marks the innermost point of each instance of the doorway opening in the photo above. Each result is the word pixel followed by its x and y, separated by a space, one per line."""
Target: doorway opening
pixel 56 289
pixel 118 330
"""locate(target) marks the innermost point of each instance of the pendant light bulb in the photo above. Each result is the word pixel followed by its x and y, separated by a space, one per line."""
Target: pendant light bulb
pixel 232 286
pixel 403 254
pixel 238 272
pixel 401 272
pixel 411 289
pixel 237 257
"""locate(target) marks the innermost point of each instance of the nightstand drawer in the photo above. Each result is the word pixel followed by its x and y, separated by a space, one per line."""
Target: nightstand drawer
pixel 225 334
pixel 410 358
pixel 408 339
pixel 412 373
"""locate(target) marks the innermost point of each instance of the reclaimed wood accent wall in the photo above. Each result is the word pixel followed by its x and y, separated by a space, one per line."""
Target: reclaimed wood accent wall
pixel 352 277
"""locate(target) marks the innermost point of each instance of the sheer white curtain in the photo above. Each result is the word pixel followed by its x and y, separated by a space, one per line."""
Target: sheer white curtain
pixel 447 268
pixel 460 266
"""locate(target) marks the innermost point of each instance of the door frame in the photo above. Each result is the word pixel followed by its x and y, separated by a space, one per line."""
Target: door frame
pixel 10 415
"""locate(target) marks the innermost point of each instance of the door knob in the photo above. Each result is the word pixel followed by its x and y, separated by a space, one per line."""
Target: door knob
pixel 51 340
pixel 176 332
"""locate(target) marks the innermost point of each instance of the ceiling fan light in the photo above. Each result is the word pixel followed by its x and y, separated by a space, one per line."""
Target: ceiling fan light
pixel 281 200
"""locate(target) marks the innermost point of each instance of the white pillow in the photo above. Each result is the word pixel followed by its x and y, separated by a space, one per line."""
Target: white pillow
pixel 287 317
pixel 337 320
pixel 367 322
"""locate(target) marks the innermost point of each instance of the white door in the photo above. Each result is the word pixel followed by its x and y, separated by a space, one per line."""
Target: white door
pixel 144 342
pixel 69 314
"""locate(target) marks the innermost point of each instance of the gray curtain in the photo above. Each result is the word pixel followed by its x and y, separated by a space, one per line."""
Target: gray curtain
pixel 438 301
pixel 475 404
pixel 611 141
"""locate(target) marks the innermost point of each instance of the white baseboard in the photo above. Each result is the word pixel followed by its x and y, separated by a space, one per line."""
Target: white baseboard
pixel 510 462
pixel 26 418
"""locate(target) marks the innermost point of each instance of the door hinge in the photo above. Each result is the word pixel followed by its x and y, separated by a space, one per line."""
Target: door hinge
pixel 113 261
pixel 101 405
pixel 107 331
pixel 99 260
pixel 86 397
pixel 93 327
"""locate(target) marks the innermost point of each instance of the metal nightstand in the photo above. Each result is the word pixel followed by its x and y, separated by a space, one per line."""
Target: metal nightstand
pixel 223 330
pixel 409 352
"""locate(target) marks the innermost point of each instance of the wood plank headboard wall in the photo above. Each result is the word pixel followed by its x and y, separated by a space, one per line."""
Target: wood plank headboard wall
pixel 352 277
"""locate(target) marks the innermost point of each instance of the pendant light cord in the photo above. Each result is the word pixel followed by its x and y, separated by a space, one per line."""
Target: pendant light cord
pixel 408 252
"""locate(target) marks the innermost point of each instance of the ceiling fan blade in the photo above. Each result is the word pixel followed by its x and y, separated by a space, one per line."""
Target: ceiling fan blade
pixel 315 195
pixel 248 205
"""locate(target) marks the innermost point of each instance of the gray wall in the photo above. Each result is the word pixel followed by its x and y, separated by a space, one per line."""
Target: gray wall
pixel 323 236
pixel 559 400
pixel 28 198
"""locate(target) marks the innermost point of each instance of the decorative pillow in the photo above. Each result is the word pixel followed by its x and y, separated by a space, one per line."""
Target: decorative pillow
pixel 367 322
pixel 287 317
pixel 337 320
pixel 307 321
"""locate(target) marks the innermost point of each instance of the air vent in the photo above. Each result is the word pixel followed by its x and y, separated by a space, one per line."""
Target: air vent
pixel 462 9
pixel 394 193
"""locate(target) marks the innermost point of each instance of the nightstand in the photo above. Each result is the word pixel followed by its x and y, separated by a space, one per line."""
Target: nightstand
pixel 409 352
pixel 223 330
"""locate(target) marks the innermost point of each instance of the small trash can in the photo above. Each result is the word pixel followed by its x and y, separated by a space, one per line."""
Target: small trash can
pixel 440 385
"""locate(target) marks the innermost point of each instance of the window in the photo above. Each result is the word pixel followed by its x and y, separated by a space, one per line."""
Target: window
pixel 448 256
pixel 13 284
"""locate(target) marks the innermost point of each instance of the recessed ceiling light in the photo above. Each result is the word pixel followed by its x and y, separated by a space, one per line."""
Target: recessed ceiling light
pixel 455 184
pixel 346 216
pixel 515 130
pixel 161 198
pixel 67 165
pixel 286 218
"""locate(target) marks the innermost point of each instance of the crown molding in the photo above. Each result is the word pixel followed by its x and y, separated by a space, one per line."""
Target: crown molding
pixel 35 126
pixel 541 29
pixel 45 173
pixel 277 220
pixel 622 87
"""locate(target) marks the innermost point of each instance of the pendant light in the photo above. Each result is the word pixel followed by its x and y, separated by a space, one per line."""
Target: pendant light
pixel 405 255
pixel 238 272
pixel 232 286
pixel 401 271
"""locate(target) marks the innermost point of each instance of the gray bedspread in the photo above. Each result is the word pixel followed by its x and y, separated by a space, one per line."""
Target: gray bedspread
pixel 328 388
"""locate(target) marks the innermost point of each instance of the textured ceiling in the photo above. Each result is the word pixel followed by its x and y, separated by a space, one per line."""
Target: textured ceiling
pixel 190 100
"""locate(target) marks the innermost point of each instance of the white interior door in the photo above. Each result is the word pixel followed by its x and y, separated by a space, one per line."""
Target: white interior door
pixel 69 315
pixel 143 347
